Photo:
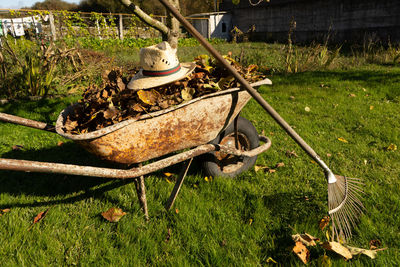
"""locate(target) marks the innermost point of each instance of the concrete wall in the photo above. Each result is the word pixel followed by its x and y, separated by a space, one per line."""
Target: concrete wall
pixel 345 20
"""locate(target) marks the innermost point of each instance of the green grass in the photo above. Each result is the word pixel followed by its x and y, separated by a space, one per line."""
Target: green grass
pixel 212 226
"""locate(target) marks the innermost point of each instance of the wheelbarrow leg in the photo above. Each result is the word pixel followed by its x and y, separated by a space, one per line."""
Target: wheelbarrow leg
pixel 141 192
pixel 178 184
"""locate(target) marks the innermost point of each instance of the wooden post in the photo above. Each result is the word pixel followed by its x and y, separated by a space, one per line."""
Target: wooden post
pixel 121 28
pixel 52 27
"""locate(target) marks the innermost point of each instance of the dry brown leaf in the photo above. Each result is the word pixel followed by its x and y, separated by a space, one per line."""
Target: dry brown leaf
pixel 271 170
pixel 338 248
pixel 279 165
pixel 324 222
pixel 113 214
pixel 17 147
pixel 291 154
pixel 374 244
pixel 3 211
pixel 302 252
pixel 110 113
pixel 60 143
pixel 306 239
pixel 39 217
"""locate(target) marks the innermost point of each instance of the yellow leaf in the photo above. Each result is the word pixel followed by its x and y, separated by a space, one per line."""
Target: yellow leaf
pixel 371 107
pixel 341 139
pixel 148 97
pixel 113 214
pixel 208 179
pixel 250 221
pixel 391 147
pixel 269 260
pixel 307 109
pixel 168 174
pixel 338 248
pixel 187 93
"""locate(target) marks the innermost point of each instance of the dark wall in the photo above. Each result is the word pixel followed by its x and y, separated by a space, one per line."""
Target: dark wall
pixel 345 20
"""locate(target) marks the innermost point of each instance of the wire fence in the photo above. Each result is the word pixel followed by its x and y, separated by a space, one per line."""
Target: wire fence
pixel 59 24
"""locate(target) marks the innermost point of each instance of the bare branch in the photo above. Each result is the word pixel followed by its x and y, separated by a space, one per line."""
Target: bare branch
pixel 146 18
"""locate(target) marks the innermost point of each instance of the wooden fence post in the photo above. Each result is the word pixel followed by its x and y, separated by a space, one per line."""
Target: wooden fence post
pixel 120 28
pixel 52 27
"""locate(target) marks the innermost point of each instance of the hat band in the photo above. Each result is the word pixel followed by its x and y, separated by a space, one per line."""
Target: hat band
pixel 158 73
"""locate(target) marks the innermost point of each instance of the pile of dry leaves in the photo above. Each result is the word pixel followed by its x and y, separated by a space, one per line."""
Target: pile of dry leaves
pixel 112 102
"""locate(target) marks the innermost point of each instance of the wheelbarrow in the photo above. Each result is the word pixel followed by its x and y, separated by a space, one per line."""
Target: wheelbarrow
pixel 208 126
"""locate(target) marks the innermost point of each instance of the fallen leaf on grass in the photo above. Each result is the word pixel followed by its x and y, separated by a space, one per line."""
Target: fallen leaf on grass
pixel 306 239
pixel 391 147
pixel 17 147
pixel 374 244
pixel 357 251
pixel 176 211
pixel 338 248
pixel 291 154
pixel 168 235
pixel 341 139
pixel 279 165
pixel 3 211
pixel 352 95
pixel 113 214
pixel 168 174
pixel 39 217
pixel 371 107
pixel 208 179
pixel 302 252
pixel 324 222
pixel 269 260
pixel 307 109
pixel 259 168
pixel 60 143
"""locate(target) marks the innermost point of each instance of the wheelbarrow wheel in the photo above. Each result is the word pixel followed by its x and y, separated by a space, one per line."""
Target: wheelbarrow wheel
pixel 226 165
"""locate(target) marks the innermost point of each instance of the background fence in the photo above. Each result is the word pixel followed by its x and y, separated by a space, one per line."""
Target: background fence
pixel 59 24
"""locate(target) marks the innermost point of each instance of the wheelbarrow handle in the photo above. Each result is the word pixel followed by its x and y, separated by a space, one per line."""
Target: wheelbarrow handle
pixel 246 85
pixel 26 122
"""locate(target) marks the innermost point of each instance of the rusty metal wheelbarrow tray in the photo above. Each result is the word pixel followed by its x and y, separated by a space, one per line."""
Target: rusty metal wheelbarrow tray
pixel 187 125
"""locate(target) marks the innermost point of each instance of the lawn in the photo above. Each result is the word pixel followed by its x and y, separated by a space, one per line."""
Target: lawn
pixel 351 120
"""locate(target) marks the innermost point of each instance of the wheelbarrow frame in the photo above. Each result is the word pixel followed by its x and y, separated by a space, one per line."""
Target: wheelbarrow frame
pixel 139 170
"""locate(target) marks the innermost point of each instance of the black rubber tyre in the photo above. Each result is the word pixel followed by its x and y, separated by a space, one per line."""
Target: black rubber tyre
pixel 218 164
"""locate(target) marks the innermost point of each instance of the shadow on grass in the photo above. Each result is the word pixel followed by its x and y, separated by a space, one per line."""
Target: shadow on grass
pixel 55 185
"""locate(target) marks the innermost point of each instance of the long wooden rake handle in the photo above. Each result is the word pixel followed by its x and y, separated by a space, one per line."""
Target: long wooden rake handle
pixel 331 178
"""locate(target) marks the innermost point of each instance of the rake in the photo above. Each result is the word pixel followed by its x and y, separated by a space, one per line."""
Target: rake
pixel 343 192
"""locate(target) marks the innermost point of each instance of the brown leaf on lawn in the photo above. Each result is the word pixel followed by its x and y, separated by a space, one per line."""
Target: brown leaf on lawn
pixel 352 95
pixel 168 235
pixel 271 170
pixel 279 165
pixel 17 147
pixel 302 252
pixel 374 244
pixel 113 214
pixel 3 211
pixel 306 239
pixel 324 222
pixel 291 154
pixel 39 217
pixel 338 248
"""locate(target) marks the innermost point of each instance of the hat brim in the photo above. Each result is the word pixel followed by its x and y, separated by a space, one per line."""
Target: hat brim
pixel 140 81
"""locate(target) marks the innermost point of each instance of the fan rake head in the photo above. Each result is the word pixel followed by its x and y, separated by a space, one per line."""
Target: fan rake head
pixel 344 205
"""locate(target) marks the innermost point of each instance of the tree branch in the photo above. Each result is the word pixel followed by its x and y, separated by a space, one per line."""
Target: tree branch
pixel 146 18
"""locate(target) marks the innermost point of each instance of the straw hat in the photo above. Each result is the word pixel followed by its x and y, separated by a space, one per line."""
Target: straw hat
pixel 159 65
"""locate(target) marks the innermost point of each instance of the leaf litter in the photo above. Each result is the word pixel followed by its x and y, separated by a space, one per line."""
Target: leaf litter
pixel 112 102
pixel 302 241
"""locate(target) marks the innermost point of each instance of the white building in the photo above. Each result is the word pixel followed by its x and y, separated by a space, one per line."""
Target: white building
pixel 213 25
